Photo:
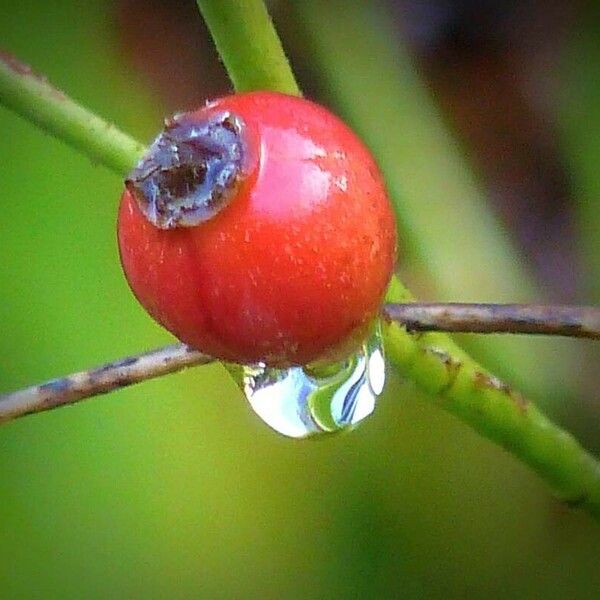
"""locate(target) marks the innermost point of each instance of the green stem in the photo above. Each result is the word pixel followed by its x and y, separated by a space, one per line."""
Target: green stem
pixel 31 96
pixel 459 385
pixel 249 45
pixel 432 361
pixel 581 124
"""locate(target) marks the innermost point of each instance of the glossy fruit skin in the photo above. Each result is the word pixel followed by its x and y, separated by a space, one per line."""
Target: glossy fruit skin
pixel 294 269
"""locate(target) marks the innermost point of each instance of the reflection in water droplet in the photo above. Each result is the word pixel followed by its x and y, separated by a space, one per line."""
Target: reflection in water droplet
pixel 302 401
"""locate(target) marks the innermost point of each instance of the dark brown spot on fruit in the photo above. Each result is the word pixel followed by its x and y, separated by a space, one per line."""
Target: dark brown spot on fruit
pixel 191 171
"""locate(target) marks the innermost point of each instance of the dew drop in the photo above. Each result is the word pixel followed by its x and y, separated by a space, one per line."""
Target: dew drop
pixel 302 402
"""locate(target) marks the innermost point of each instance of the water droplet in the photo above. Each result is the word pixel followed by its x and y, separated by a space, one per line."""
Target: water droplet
pixel 306 401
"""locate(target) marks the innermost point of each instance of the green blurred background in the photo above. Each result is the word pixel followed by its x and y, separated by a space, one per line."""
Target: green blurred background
pixel 485 117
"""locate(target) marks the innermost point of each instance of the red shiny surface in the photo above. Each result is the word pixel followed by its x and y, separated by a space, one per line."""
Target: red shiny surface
pixel 295 268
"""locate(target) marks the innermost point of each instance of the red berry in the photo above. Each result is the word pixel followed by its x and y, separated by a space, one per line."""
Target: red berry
pixel 258 229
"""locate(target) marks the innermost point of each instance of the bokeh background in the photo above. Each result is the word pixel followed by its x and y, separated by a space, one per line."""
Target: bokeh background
pixel 486 119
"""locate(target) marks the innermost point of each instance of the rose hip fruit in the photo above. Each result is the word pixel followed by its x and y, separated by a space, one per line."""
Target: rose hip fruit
pixel 258 229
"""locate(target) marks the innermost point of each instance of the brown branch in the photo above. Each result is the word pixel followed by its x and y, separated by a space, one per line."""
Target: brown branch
pixel 571 321
pixel 473 318
pixel 99 380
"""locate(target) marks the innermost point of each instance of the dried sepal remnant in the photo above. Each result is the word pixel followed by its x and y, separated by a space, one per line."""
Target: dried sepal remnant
pixel 191 171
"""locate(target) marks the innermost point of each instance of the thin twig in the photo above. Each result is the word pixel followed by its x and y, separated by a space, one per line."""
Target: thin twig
pixel 570 321
pixel 99 380
pixel 475 318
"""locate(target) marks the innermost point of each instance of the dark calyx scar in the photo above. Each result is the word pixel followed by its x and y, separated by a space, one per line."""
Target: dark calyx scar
pixel 191 171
